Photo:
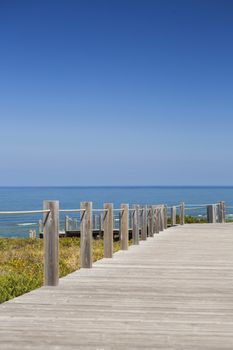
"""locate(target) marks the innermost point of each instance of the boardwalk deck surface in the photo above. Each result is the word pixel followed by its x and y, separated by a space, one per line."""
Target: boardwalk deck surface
pixel 173 291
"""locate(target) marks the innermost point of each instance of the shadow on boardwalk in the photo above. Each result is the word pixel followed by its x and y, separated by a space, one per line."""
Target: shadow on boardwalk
pixel 173 291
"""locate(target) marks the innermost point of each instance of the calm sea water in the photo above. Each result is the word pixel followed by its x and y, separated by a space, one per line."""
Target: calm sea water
pixel 31 198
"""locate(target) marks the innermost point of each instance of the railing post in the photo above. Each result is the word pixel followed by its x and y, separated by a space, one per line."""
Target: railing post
pixel 165 216
pixel 66 223
pixel 182 213
pixel 173 216
pixel 157 220
pixel 108 230
pixel 211 217
pixel 95 224
pixel 32 234
pixel 222 212
pixel 124 224
pixel 86 235
pixel 143 224
pixel 101 224
pixel 41 226
pixel 135 228
pixel 153 220
pixel 51 243
pixel 150 221
pixel 75 224
pixel 161 218
pixel 70 224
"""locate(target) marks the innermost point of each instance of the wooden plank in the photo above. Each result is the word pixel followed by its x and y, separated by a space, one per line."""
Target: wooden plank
pixel 51 243
pixel 173 291
pixel 86 235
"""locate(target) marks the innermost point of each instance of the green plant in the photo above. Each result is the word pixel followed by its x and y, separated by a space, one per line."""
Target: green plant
pixel 21 263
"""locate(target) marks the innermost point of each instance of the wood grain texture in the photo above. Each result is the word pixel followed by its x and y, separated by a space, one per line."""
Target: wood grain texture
pixel 161 218
pixel 173 291
pixel 173 216
pixel 182 213
pixel 165 216
pixel 86 235
pixel 51 243
pixel 150 220
pixel 144 223
pixel 135 224
pixel 222 212
pixel 211 214
pixel 124 226
pixel 157 220
pixel 108 230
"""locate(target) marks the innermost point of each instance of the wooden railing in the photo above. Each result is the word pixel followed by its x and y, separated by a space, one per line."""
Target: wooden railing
pixel 146 220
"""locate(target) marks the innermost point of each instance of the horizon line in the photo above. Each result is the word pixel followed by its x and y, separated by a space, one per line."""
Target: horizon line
pixel 116 186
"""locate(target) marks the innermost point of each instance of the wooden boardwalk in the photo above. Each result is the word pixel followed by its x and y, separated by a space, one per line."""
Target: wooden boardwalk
pixel 173 291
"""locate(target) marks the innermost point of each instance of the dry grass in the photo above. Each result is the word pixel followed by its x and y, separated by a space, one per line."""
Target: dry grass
pixel 21 263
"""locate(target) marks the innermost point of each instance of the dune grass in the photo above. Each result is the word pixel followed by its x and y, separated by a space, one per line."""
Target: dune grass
pixel 21 263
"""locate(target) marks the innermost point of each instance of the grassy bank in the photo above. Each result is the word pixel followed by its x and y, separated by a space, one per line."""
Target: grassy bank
pixel 190 220
pixel 21 263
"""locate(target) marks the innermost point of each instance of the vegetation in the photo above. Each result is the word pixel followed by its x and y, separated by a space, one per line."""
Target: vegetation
pixel 195 220
pixel 190 220
pixel 21 260
pixel 21 263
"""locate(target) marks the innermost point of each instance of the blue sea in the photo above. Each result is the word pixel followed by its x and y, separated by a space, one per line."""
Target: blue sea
pixel 31 198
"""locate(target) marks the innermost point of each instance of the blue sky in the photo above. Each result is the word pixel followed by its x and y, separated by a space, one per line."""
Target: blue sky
pixel 116 92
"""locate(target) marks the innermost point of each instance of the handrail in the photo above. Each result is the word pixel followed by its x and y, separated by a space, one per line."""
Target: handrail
pixel 24 212
pixel 152 221
pixel 71 210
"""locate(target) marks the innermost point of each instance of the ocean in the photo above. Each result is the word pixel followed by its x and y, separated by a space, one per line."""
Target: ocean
pixel 31 198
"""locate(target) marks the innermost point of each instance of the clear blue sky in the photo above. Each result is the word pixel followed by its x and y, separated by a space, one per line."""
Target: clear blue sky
pixel 116 92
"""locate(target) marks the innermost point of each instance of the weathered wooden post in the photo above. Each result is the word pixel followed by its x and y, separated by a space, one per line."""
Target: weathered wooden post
pixel 173 216
pixel 41 228
pixel 151 221
pixel 66 223
pixel 135 225
pixel 75 224
pixel 222 212
pixel 101 224
pixel 86 235
pixel 70 224
pixel 32 234
pixel 143 223
pixel 154 220
pixel 157 220
pixel 161 218
pixel 165 216
pixel 211 216
pixel 95 222
pixel 217 208
pixel 108 230
pixel 124 226
pixel 182 214
pixel 51 243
